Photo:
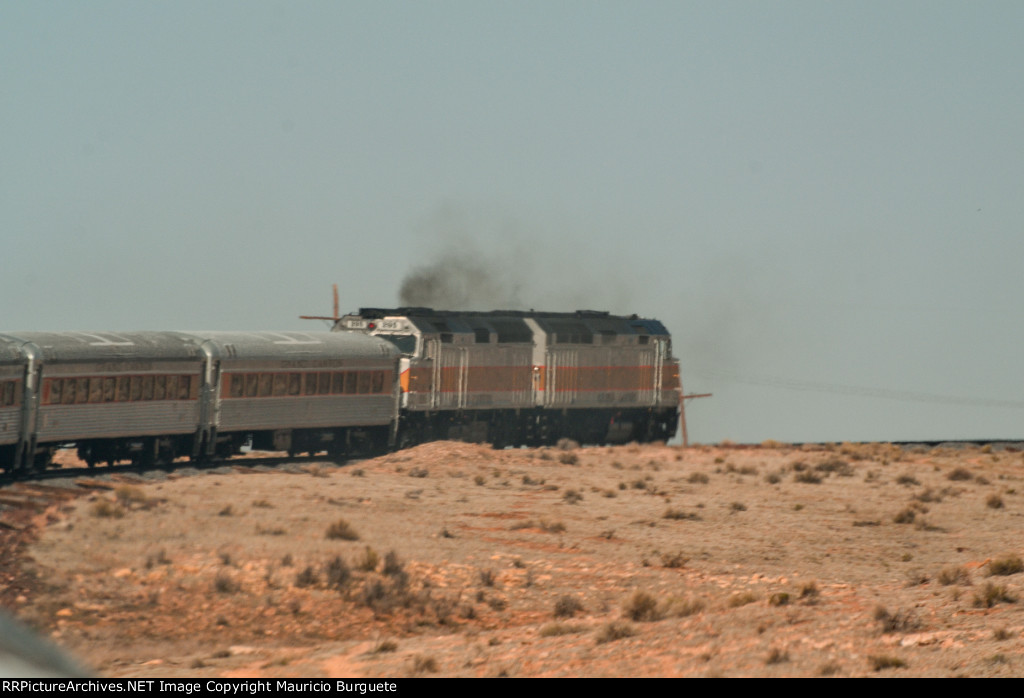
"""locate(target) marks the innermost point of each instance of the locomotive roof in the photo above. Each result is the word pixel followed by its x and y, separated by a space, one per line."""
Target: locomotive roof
pixel 509 321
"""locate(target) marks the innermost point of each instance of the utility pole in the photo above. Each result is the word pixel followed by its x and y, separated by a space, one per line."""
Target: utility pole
pixel 682 412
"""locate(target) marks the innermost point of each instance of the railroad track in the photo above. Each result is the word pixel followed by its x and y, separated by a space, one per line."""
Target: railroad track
pixel 40 489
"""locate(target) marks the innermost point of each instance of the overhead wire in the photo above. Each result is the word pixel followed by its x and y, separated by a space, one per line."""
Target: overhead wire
pixel 859 391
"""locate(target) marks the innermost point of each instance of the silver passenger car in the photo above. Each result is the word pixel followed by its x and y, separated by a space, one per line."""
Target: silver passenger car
pixel 298 392
pixel 96 388
pixel 12 377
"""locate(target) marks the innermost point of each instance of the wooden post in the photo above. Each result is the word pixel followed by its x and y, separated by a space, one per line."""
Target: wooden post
pixel 682 412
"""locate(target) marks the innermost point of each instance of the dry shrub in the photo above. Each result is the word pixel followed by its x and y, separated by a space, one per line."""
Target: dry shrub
pixel 642 607
pixel 885 661
pixel 680 608
pixel 809 592
pixel 1003 566
pixel 898 622
pixel 807 477
pixel 552 526
pixel 369 560
pixel 960 474
pixel 385 646
pixel 392 565
pixel 105 509
pixel 994 501
pixel 160 558
pixel 558 629
pixel 567 606
pixel 616 630
pixel 423 664
pixel 993 594
pixel 680 515
pixel 127 495
pixel 224 584
pixel 568 458
pixel 954 575
pixel 306 578
pixel 698 479
pixel 673 561
pixel 341 530
pixel 905 517
pixel 835 466
pixel 337 573
pixel 742 599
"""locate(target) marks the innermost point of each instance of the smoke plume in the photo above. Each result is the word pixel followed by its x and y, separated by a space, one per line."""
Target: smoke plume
pixel 460 280
pixel 488 260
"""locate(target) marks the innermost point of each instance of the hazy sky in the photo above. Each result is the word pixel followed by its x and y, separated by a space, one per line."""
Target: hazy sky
pixel 823 201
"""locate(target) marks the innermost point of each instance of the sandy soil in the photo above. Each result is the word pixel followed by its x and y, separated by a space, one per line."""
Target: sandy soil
pixel 851 560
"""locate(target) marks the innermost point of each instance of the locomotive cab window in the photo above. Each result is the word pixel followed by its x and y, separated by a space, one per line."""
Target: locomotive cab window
pixel 406 343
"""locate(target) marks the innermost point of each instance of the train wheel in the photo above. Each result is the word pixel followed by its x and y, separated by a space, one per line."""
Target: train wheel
pixel 42 460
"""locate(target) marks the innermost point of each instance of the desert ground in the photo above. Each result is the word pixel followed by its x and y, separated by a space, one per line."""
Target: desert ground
pixel 454 559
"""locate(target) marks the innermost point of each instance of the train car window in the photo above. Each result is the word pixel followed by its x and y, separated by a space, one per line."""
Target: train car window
pixel 378 381
pixel 294 383
pixel 95 390
pixel 280 384
pixel 8 393
pixel 68 398
pixel 325 384
pixel 56 386
pixel 237 385
pixel 109 389
pixel 172 387
pixel 147 387
pixel 186 389
pixel 159 387
pixel 338 383
pixel 482 335
pixel 266 384
pixel 350 382
pixel 123 388
pixel 642 339
pixel 136 388
pixel 446 338
pixel 82 391
pixel 252 384
pixel 310 384
pixel 406 343
pixel 364 382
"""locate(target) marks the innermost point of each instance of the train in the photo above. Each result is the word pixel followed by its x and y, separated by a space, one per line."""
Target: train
pixel 381 379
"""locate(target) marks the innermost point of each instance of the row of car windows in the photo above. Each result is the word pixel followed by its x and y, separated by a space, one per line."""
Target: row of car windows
pixel 76 391
pixel 306 383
